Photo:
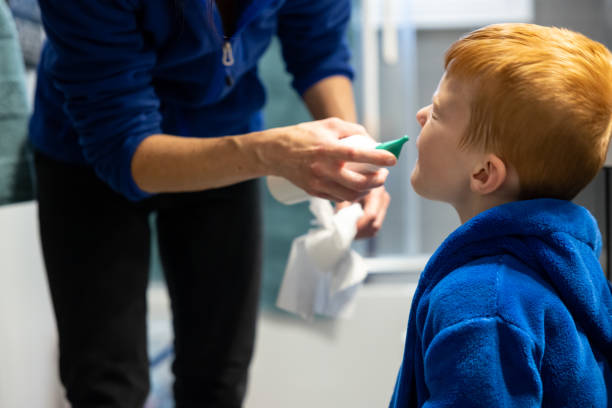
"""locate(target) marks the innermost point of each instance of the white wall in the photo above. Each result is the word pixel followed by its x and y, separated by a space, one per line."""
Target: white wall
pixel 331 364
pixel 28 339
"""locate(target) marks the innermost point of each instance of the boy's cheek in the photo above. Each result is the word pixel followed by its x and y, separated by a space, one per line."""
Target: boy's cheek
pixel 416 170
pixel 415 180
pixel 418 142
pixel 413 177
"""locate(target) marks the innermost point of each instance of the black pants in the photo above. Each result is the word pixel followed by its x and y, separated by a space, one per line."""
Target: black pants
pixel 96 247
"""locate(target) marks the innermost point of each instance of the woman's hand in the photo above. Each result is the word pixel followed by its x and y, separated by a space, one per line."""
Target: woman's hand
pixel 375 206
pixel 310 156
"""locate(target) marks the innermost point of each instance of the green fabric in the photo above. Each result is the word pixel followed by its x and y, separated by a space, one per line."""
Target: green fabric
pixel 15 178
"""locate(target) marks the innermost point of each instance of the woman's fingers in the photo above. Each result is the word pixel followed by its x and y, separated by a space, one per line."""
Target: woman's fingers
pixel 363 182
pixel 377 157
pixel 345 184
pixel 336 192
pixel 375 206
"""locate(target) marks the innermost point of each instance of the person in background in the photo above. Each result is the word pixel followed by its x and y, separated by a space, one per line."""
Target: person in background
pixel 513 308
pixel 155 106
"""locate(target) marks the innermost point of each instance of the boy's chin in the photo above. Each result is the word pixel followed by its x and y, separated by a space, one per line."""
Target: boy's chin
pixel 420 188
pixel 416 183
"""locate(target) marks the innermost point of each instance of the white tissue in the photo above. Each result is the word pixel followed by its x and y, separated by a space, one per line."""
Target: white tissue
pixel 323 273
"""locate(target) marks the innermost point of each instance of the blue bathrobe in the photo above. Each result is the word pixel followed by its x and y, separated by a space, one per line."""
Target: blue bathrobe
pixel 513 310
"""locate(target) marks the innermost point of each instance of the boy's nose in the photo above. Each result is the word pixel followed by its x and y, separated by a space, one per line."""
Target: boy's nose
pixel 422 114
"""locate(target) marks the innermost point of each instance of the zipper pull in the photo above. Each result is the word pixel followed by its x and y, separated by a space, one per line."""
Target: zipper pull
pixel 228 54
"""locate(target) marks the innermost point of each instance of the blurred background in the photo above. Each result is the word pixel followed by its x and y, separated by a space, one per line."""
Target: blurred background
pixel 398 48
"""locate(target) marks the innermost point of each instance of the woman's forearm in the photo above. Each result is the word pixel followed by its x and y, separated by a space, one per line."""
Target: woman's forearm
pixel 306 154
pixel 331 96
pixel 166 163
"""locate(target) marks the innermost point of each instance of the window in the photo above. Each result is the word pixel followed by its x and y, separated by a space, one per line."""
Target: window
pixel 399 47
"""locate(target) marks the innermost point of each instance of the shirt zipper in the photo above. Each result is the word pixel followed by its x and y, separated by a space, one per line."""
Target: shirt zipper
pixel 227 59
pixel 228 54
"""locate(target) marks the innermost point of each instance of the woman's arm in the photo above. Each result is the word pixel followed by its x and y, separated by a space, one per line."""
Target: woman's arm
pixel 306 154
pixel 331 96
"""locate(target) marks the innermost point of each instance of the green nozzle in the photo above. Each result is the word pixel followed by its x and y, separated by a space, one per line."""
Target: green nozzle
pixel 394 146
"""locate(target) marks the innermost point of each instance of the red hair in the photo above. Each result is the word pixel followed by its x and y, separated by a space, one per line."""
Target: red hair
pixel 541 100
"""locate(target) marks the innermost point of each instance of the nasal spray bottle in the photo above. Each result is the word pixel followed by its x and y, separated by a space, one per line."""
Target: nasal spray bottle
pixel 288 193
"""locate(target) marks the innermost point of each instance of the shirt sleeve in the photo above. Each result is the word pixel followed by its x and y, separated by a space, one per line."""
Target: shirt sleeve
pixel 103 67
pixel 313 40
pixel 483 362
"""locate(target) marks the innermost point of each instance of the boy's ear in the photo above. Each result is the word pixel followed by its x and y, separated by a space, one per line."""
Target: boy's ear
pixel 489 175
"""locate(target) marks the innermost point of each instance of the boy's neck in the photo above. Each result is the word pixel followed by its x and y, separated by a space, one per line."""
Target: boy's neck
pixel 475 203
pixel 467 211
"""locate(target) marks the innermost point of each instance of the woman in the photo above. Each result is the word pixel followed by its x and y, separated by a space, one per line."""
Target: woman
pixel 155 105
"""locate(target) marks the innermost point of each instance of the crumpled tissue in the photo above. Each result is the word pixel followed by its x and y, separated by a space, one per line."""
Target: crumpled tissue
pixel 323 273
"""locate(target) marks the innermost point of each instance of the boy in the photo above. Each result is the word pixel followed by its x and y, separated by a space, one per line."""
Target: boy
pixel 513 308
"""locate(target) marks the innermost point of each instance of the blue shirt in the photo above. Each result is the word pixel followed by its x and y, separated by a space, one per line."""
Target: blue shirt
pixel 114 72
pixel 513 310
